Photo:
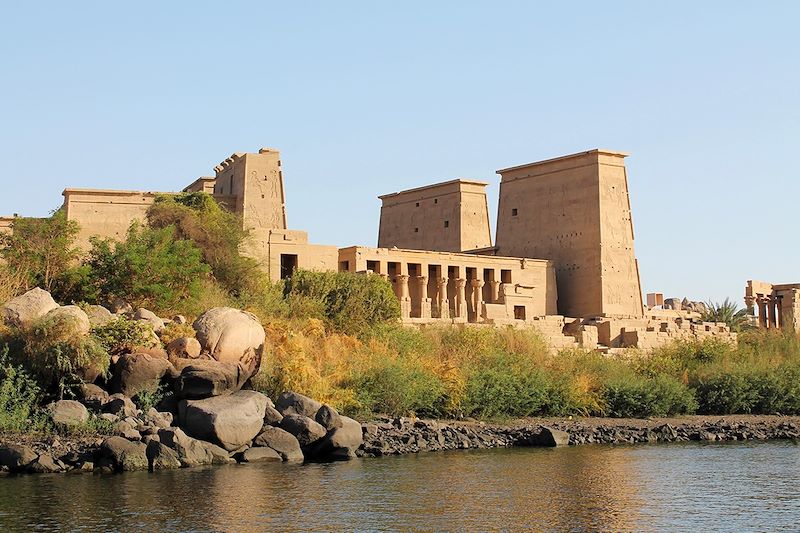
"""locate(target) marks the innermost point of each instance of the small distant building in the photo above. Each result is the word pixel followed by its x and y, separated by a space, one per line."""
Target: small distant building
pixel 773 306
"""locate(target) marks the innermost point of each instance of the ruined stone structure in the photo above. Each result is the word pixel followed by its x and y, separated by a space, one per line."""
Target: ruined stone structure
pixel 447 217
pixel 774 306
pixel 563 262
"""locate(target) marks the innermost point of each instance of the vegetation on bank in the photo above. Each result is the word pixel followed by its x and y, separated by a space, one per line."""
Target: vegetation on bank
pixel 335 337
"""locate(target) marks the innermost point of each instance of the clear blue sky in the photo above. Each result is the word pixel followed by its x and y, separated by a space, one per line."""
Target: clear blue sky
pixel 365 98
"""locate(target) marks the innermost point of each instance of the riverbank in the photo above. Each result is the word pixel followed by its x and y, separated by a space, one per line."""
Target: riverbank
pixel 398 436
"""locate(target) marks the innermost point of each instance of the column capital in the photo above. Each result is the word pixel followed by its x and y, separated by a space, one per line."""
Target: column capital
pixel 477 283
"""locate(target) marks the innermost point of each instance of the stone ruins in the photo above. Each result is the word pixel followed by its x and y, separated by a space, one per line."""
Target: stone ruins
pixel 778 306
pixel 563 261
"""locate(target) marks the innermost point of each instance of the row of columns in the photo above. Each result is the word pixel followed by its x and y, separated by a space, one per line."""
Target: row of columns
pixel 421 306
pixel 769 312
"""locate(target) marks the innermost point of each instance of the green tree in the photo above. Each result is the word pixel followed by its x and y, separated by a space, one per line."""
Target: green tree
pixel 151 268
pixel 40 251
pixel 218 234
pixel 727 312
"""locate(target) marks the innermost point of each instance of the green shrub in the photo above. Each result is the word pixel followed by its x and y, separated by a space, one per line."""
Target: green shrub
pixel 397 387
pixel 349 303
pixel 40 250
pixel 152 268
pixel 727 392
pixel 122 335
pixel 59 356
pixel 218 234
pixel 638 397
pixel 19 397
pixel 502 385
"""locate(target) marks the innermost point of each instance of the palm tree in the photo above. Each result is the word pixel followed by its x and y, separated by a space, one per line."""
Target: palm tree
pixel 727 312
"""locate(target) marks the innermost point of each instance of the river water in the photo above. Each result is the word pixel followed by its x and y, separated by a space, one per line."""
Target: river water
pixel 675 487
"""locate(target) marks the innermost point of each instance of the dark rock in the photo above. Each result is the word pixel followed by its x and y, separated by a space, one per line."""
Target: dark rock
pixel 292 403
pixel 161 457
pixel 192 452
pixel 306 430
pixel 281 441
pixel 92 396
pixel 259 455
pixel 272 417
pixel 120 405
pixel 123 454
pixel 16 457
pixel 137 372
pixel 328 418
pixel 204 378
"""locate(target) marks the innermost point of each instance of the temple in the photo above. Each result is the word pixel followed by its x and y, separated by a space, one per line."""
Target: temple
pixel 563 261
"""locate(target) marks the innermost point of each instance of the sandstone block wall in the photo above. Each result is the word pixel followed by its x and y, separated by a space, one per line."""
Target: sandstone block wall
pixel 575 211
pixel 105 213
pixel 448 217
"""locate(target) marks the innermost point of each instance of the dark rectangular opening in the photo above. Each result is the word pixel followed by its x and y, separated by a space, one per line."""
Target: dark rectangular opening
pixel 519 312
pixel 288 265
pixel 446 223
pixel 393 270
pixel 472 273
pixel 514 212
pixel 375 266
pixel 414 269
pixel 344 266
pixel 505 276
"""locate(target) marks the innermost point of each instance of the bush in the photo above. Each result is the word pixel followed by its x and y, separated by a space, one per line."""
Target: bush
pixel 637 397
pixel 726 393
pixel 123 335
pixel 40 250
pixel 499 387
pixel 397 386
pixel 19 397
pixel 349 303
pixel 152 268
pixel 58 356
pixel 218 234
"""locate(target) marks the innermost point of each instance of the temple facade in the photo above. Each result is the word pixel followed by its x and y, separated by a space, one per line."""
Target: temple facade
pixel 563 261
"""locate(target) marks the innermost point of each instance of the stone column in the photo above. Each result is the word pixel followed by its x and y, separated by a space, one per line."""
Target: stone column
pixel 441 298
pixel 771 313
pixel 495 291
pixel 477 298
pixel 424 301
pixel 762 312
pixel 405 301
pixel 461 300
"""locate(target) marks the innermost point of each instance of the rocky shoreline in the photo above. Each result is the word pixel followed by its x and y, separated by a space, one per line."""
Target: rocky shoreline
pixel 392 436
pixel 395 436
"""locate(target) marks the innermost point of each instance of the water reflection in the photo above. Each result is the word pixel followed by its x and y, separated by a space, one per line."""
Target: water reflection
pixel 626 488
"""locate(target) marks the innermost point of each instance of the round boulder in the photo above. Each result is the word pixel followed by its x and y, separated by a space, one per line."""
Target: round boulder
pixel 150 317
pixel 231 336
pixel 72 317
pixel 23 310
pixel 68 412
pixel 232 420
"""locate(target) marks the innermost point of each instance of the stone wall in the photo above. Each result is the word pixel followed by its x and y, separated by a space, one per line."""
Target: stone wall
pixel 575 211
pixel 447 217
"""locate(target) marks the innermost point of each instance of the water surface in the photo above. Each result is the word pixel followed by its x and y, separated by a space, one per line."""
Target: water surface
pixel 676 487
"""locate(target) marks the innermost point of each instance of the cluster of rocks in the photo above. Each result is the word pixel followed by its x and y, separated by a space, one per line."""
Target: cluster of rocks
pixel 244 426
pixel 708 431
pixel 394 436
pixel 207 416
